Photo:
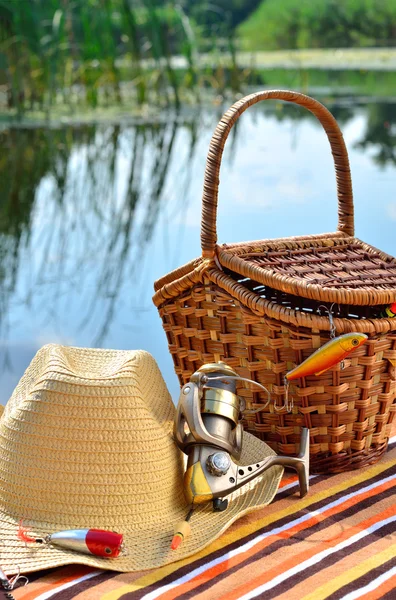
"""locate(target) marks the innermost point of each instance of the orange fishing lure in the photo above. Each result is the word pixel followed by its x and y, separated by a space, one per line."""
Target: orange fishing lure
pixel 327 356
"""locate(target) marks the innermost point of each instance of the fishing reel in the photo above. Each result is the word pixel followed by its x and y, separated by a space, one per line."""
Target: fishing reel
pixel 208 429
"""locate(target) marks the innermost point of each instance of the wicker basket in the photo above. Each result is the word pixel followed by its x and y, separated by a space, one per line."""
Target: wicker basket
pixel 259 307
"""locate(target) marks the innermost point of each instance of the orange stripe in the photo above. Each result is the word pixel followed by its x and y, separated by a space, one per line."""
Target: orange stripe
pixel 36 588
pixel 287 480
pixel 302 556
pixel 236 560
pixel 381 590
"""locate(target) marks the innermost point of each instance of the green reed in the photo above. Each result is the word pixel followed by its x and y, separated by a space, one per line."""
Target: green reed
pixel 93 53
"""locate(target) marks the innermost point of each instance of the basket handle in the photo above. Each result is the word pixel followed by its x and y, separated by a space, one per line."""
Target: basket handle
pixel 212 169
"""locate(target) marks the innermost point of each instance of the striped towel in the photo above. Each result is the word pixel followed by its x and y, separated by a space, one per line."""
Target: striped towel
pixel 339 542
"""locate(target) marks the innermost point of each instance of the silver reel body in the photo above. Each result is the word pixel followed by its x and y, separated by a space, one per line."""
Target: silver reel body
pixel 208 429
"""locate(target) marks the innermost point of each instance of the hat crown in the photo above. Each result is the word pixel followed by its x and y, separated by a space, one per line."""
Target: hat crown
pixel 85 441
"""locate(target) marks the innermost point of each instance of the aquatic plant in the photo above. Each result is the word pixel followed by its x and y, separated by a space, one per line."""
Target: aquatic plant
pixel 80 52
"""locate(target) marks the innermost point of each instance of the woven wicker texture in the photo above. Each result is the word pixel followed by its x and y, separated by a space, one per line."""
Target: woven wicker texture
pixel 342 270
pixel 85 442
pixel 261 307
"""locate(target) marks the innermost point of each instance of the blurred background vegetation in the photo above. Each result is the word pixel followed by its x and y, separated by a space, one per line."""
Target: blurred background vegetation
pixel 320 24
pixel 75 53
pixel 106 112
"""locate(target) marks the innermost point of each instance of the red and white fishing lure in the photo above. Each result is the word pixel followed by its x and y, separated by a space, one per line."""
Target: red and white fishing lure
pixel 99 542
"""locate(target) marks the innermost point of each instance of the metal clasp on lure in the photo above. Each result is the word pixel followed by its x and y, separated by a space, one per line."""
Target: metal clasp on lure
pixel 333 330
pixel 329 311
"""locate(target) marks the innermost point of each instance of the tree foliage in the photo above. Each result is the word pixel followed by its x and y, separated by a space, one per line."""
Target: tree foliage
pixel 212 12
pixel 320 24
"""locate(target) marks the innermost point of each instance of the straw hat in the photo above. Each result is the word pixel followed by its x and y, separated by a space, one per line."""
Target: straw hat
pixel 85 442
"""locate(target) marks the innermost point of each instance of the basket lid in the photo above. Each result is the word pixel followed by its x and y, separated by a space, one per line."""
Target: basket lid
pixel 340 269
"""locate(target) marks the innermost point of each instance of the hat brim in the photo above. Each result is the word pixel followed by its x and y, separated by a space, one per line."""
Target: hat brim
pixel 146 549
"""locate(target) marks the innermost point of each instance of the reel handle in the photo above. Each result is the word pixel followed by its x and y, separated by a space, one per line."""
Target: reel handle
pixel 303 466
pixel 202 485
pixel 299 463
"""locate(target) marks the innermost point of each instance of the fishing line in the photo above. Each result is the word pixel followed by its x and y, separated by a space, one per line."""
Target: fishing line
pixel 205 379
pixel 288 405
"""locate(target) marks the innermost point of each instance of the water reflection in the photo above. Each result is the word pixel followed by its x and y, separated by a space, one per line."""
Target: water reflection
pixel 380 133
pixel 91 215
pixel 78 207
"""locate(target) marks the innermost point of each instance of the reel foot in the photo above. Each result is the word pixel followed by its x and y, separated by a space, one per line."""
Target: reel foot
pixel 303 466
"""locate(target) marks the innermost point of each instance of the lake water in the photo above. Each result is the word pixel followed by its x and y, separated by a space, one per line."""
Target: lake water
pixel 92 215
